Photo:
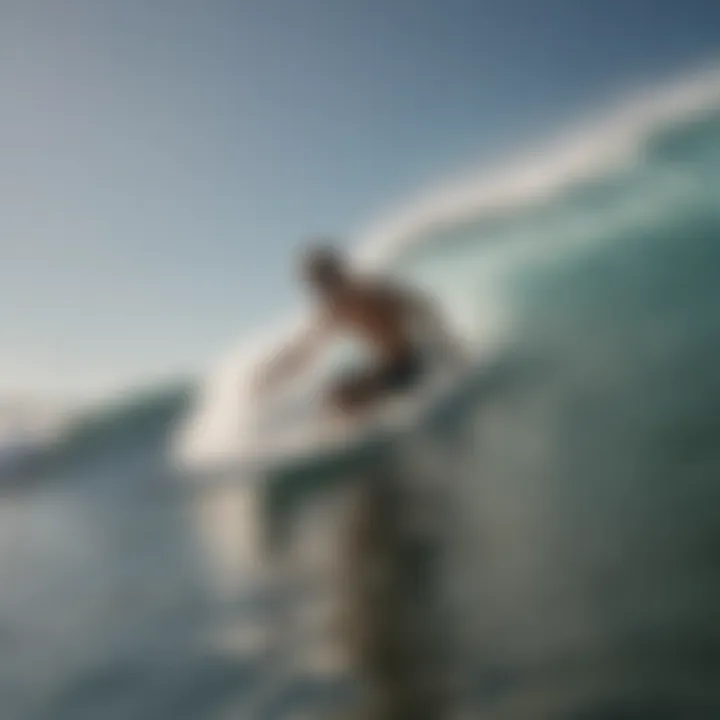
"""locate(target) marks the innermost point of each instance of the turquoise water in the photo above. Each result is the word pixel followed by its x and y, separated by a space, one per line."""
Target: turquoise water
pixel 592 582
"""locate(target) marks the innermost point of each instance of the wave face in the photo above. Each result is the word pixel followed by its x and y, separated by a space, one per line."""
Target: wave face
pixel 590 482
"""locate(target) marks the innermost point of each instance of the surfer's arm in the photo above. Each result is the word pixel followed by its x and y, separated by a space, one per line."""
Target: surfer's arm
pixel 294 357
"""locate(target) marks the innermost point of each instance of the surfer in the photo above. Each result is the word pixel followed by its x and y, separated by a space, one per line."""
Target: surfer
pixel 389 319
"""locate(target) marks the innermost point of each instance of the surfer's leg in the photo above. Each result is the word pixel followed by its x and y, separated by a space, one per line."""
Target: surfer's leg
pixel 355 392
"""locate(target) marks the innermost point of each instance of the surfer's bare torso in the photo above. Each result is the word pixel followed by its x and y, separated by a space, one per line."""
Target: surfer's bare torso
pixel 374 312
pixel 381 314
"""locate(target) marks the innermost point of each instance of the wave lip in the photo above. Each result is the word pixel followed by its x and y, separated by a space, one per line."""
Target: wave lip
pixel 578 154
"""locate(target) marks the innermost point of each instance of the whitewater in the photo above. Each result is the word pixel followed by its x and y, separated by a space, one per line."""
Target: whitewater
pixel 585 274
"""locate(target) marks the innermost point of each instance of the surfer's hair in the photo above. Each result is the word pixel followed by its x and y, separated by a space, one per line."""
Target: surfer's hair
pixel 322 264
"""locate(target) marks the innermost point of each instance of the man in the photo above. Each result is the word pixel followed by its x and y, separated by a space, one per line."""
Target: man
pixel 389 319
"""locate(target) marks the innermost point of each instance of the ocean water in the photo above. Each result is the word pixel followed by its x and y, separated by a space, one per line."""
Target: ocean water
pixel 589 488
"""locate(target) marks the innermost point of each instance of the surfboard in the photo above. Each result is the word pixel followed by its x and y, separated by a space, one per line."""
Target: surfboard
pixel 293 442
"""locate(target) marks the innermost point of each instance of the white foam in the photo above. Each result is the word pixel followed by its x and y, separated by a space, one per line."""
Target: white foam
pixel 587 150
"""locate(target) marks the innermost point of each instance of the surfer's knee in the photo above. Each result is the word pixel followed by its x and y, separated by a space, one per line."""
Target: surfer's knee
pixel 343 397
pixel 349 395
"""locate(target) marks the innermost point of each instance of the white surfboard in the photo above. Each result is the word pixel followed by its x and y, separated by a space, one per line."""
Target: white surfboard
pixel 321 438
pixel 233 435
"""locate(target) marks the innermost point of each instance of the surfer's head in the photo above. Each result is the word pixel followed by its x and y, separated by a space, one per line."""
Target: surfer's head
pixel 323 268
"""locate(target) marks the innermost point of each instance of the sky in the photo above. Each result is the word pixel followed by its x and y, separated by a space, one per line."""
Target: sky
pixel 162 161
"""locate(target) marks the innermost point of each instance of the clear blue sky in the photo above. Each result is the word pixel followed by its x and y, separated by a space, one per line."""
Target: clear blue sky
pixel 159 159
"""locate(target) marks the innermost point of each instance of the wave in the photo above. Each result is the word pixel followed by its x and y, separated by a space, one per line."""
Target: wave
pixel 142 418
pixel 126 420
pixel 594 180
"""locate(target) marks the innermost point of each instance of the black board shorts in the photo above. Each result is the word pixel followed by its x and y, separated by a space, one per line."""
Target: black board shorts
pixel 400 374
pixel 397 375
